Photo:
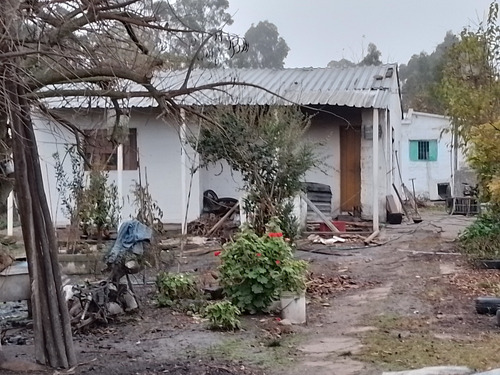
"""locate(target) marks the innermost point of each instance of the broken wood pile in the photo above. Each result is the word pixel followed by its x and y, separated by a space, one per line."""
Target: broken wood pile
pixel 210 225
pixel 323 285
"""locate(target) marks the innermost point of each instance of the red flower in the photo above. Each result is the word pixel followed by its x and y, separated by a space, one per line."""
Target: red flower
pixel 279 234
pixel 217 253
pixel 278 319
pixel 278 262
pixel 258 254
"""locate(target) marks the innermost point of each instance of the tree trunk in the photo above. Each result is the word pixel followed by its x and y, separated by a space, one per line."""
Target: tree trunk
pixel 53 338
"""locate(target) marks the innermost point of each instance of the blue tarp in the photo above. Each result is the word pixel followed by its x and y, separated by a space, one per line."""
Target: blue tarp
pixel 130 238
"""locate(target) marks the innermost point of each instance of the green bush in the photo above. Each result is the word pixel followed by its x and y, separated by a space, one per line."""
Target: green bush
pixel 255 269
pixel 481 239
pixel 223 315
pixel 171 288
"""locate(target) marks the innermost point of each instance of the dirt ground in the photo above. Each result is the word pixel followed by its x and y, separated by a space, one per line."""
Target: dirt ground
pixel 404 304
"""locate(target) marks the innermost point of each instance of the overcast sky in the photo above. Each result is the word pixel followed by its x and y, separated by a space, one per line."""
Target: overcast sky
pixel 318 31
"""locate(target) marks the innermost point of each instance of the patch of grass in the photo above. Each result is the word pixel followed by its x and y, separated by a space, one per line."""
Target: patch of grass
pixel 277 352
pixel 406 342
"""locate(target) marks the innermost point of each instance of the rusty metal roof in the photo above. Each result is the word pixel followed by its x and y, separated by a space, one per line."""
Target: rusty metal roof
pixel 363 87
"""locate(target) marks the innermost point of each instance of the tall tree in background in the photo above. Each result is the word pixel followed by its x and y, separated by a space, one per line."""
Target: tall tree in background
pixel 266 49
pixel 470 90
pixel 85 49
pixel 421 76
pixel 199 16
pixel 372 57
pixel 343 63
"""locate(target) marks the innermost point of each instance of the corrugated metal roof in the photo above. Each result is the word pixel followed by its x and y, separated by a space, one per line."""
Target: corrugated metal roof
pixel 364 87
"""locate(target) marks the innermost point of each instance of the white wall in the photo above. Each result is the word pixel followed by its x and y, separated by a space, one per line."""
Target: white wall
pixel 427 174
pixel 159 150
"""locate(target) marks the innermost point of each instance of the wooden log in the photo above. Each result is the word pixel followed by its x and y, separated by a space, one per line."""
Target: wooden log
pixel 328 223
pixel 371 237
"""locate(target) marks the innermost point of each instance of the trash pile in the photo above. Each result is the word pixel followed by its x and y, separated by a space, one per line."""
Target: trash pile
pixel 100 301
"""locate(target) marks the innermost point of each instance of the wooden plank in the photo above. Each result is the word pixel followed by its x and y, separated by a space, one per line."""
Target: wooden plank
pixel 328 223
pixel 371 237
pixel 223 219
pixel 401 201
pixel 350 168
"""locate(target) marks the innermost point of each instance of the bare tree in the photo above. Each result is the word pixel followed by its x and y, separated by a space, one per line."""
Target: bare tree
pixel 74 48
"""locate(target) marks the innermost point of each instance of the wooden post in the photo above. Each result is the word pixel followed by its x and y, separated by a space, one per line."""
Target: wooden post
pixel 10 214
pixel 375 207
pixel 223 219
pixel 328 223
pixel 119 180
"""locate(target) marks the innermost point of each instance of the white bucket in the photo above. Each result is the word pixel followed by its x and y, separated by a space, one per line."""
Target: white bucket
pixel 293 307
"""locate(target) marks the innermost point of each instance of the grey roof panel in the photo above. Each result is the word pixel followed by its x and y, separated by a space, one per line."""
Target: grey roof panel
pixel 364 87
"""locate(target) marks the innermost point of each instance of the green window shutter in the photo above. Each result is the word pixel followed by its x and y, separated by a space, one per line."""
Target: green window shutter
pixel 433 150
pixel 414 150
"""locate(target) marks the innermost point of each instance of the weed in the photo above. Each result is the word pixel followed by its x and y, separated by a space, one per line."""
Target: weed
pixel 223 315
pixel 171 288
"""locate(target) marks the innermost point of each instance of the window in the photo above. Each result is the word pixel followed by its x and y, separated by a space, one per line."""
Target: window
pixel 425 150
pixel 100 150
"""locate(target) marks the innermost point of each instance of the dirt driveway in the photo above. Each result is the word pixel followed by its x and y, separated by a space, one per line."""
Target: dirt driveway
pixel 405 304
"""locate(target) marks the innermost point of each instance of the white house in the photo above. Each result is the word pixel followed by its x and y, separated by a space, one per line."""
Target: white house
pixel 350 106
pixel 430 155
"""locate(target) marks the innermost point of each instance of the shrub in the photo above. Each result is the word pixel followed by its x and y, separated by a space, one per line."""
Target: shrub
pixel 223 315
pixel 481 239
pixel 255 269
pixel 171 288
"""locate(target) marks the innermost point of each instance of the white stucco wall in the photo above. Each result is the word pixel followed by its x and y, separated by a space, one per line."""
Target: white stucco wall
pixel 427 174
pixel 159 150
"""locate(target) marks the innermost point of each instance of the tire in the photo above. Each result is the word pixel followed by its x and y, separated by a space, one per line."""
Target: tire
pixel 493 264
pixel 487 305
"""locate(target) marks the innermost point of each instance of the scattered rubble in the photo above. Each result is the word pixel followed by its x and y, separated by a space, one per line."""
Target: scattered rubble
pixel 323 285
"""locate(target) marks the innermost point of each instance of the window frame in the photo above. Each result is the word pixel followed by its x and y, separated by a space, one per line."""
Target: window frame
pixel 99 149
pixel 423 150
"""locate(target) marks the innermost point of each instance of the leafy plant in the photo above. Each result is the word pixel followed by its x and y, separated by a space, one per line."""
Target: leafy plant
pixel 255 269
pixel 87 199
pixel 99 207
pixel 481 239
pixel 266 145
pixel 223 315
pixel 171 288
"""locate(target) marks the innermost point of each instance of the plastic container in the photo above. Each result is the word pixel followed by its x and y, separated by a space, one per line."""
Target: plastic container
pixel 293 307
pixel 340 225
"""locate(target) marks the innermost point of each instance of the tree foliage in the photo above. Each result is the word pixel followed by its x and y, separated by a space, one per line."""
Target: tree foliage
pixel 266 146
pixel 199 15
pixel 421 77
pixel 107 49
pixel 266 49
pixel 372 57
pixel 470 89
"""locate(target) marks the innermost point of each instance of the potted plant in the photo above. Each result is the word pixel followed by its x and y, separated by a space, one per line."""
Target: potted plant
pixel 293 290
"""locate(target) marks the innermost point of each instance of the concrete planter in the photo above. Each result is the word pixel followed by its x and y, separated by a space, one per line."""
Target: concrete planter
pixel 15 283
pixel 81 264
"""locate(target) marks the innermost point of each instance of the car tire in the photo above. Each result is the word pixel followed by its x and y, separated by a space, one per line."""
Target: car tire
pixel 487 305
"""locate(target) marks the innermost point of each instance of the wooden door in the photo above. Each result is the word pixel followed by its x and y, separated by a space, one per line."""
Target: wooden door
pixel 350 169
